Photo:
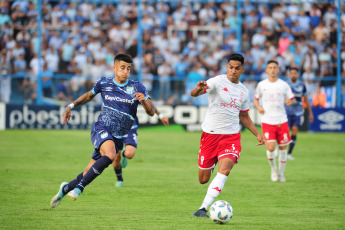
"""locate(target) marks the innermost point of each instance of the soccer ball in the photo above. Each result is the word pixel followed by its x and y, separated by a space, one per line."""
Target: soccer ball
pixel 221 212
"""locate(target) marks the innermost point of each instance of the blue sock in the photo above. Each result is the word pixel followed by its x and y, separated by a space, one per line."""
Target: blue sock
pixel 292 144
pixel 71 185
pixel 118 173
pixel 95 170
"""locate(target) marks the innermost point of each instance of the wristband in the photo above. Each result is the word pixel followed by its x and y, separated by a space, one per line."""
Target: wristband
pixel 71 105
pixel 160 115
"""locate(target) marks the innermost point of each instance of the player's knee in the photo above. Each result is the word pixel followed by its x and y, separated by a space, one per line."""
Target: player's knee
pixel 225 172
pixel 111 155
pixel 203 180
pixel 271 149
pixel 130 154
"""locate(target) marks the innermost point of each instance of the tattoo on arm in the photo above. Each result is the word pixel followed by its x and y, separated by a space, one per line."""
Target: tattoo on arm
pixel 85 98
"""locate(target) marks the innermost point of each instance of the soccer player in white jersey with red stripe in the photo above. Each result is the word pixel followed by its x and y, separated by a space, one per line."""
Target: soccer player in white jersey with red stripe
pixel 228 102
pixel 274 92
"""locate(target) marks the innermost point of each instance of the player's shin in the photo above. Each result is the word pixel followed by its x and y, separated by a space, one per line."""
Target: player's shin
pixel 95 170
pixel 282 161
pixel 214 189
pixel 292 144
pixel 71 185
pixel 271 159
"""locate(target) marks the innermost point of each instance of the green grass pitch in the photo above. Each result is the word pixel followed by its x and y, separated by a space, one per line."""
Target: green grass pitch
pixel 161 189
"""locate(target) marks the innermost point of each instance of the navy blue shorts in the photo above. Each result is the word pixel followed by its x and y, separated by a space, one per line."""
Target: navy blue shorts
pixel 132 138
pixel 99 135
pixel 294 120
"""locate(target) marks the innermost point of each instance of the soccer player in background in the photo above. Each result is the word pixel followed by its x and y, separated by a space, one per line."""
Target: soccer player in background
pixel 295 112
pixel 121 97
pixel 220 142
pixel 131 143
pixel 274 92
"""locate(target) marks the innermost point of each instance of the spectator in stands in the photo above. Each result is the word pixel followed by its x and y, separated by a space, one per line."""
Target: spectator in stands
pixel 47 82
pixel 319 98
pixel 5 80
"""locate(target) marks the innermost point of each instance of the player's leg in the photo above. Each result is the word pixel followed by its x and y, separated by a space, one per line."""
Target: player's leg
pixel 283 138
pixel 207 161
pixel 218 182
pixel 269 132
pixel 294 131
pixel 131 143
pixel 118 170
pixel 108 153
pixel 295 124
pixel 67 187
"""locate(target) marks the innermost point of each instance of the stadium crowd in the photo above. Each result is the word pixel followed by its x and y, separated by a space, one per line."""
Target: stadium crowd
pixel 182 43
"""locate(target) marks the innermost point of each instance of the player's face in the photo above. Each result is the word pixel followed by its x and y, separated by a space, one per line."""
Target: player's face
pixel 122 70
pixel 272 70
pixel 293 75
pixel 234 69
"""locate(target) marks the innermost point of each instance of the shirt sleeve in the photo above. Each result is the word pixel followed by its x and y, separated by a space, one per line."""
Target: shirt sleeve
pixel 97 87
pixel 142 89
pixel 288 92
pixel 212 82
pixel 258 92
pixel 304 90
pixel 246 104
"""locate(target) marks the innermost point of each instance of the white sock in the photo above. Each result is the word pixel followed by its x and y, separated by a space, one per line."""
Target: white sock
pixel 282 161
pixel 271 159
pixel 213 190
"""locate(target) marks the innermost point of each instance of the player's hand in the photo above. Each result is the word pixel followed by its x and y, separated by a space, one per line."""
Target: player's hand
pixel 202 85
pixel 288 102
pixel 261 140
pixel 261 110
pixel 165 121
pixel 66 115
pixel 140 97
pixel 311 117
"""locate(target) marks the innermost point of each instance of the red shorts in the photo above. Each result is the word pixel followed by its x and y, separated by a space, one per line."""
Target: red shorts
pixel 215 147
pixel 277 132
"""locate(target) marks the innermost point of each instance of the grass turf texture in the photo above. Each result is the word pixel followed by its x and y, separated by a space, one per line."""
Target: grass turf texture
pixel 161 189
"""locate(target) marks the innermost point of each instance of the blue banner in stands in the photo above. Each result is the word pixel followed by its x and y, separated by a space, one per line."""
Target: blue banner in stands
pixel 328 120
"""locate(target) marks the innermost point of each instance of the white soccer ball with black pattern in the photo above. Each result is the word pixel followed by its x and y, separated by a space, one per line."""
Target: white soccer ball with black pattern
pixel 221 212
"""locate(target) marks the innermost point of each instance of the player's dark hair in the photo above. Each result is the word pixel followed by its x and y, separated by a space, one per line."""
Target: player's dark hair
pixel 236 57
pixel 294 68
pixel 272 61
pixel 123 57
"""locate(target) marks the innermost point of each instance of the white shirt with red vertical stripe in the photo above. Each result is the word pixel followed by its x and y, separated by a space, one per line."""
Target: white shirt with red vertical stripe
pixel 225 101
pixel 273 96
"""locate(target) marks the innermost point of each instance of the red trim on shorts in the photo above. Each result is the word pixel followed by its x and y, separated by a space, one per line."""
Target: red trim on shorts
pixel 292 98
pixel 244 111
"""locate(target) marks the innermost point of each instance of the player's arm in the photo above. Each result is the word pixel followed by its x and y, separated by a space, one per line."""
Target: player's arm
pixel 257 106
pixel 311 115
pixel 199 89
pixel 164 120
pixel 83 99
pixel 291 101
pixel 146 103
pixel 248 123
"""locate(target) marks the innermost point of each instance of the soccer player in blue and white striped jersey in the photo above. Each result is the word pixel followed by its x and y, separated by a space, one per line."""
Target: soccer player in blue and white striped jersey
pixel 121 97
pixel 295 112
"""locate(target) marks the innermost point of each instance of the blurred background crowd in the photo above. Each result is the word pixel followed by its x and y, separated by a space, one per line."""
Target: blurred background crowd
pixel 181 42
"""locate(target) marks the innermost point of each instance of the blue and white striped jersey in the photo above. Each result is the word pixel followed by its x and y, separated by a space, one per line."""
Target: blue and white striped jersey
pixel 299 90
pixel 119 107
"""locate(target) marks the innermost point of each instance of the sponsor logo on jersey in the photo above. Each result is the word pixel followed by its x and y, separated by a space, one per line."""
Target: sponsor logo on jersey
pixel 232 104
pixel 125 100
pixel 130 89
pixel 225 89
pixel 108 89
